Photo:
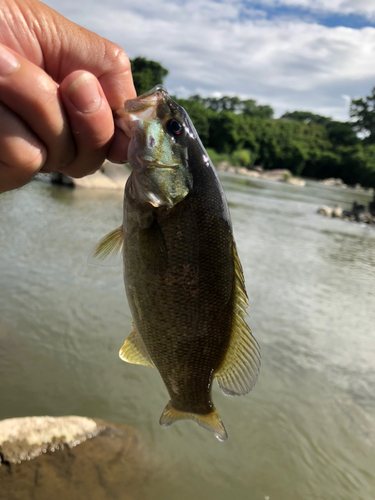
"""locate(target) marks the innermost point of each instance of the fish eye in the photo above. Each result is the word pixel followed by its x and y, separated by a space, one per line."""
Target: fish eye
pixel 174 126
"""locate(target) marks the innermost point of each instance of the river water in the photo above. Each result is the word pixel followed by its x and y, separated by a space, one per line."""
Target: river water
pixel 307 430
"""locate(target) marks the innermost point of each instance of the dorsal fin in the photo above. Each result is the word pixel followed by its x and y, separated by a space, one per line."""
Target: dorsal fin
pixel 108 249
pixel 134 350
pixel 239 371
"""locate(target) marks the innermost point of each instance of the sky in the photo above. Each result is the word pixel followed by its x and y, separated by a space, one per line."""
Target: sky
pixel 313 55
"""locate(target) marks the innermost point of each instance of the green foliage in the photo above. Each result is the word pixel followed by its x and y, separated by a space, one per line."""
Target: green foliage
pixel 364 112
pixel 242 158
pixel 147 74
pixel 235 104
pixel 244 133
pixel 217 158
pixel 306 117
pixel 199 115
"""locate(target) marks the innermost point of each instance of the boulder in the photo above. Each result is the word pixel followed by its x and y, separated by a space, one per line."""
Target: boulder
pixel 72 458
pixel 277 174
pixel 337 212
pixel 333 182
pixel 295 181
pixel 26 438
pixel 324 210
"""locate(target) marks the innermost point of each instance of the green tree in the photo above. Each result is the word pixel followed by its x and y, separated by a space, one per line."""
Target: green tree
pixel 199 115
pixel 341 133
pixel 147 74
pixel 364 112
pixel 251 108
pixel 306 117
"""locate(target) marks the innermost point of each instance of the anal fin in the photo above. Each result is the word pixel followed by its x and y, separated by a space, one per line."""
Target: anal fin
pixel 134 350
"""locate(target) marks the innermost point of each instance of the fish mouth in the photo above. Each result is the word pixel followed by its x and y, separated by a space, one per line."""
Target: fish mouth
pixel 145 106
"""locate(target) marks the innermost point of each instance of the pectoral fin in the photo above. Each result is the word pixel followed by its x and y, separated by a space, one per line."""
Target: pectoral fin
pixel 239 371
pixel 134 350
pixel 108 249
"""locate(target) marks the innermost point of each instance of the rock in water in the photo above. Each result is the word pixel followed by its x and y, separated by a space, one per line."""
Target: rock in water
pixel 26 438
pixel 324 210
pixel 114 464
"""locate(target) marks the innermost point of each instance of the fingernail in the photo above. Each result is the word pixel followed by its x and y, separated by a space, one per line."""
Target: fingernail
pixel 84 93
pixel 8 62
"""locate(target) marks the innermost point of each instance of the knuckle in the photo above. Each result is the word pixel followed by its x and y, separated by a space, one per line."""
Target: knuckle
pixel 47 88
pixel 47 84
pixel 34 158
pixel 118 58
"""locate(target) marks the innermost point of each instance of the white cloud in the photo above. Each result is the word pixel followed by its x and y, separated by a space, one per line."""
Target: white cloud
pixel 210 46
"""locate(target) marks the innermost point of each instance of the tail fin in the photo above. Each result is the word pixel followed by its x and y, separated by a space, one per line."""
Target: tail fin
pixel 211 421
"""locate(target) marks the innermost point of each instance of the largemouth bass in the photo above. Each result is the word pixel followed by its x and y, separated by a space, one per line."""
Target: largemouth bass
pixel 183 277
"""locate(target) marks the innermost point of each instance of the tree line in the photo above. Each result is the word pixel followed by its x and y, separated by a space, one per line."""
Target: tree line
pixel 245 133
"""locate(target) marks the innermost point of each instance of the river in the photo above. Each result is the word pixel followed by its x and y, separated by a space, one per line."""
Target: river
pixel 306 431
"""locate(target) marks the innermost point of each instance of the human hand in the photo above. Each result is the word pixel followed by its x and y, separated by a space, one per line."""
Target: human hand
pixel 58 86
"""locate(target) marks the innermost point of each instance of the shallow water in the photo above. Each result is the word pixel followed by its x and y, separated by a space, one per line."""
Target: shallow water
pixel 307 430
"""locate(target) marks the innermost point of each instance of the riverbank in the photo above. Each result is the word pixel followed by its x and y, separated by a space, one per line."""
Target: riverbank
pixel 357 213
pixel 277 175
pixel 113 176
pixel 332 181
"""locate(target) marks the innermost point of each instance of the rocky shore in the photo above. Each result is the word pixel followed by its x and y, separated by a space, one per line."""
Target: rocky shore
pixel 71 458
pixel 357 213
pixel 113 176
pixel 109 176
pixel 332 181
pixel 279 175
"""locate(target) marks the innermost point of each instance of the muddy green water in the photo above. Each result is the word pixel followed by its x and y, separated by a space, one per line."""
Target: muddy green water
pixel 307 431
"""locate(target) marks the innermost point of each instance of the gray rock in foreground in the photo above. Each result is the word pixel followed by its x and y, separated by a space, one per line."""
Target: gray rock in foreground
pixel 114 463
pixel 28 437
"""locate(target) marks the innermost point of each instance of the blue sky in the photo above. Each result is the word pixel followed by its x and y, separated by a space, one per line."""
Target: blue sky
pixel 292 54
pixel 323 17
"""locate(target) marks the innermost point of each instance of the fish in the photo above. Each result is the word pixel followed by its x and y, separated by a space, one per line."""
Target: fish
pixel 183 277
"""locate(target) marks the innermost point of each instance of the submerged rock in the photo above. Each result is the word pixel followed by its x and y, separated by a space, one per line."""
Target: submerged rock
pixel 72 458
